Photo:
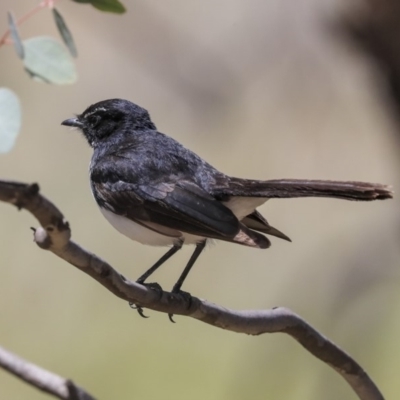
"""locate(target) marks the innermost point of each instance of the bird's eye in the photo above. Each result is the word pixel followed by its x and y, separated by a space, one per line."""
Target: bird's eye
pixel 93 120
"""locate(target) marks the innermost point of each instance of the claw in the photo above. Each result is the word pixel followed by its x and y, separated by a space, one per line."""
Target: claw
pixel 154 286
pixel 139 309
pixel 171 319
pixel 186 296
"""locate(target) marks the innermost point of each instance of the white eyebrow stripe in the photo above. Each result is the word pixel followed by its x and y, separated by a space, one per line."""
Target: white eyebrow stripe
pixel 95 111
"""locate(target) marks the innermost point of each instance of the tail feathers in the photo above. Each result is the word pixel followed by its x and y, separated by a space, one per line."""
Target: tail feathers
pixel 247 237
pixel 286 188
pixel 257 222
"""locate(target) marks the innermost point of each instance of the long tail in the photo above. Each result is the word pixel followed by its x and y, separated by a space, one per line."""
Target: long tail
pixel 285 188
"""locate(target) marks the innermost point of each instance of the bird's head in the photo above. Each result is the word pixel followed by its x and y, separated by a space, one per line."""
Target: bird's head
pixel 106 118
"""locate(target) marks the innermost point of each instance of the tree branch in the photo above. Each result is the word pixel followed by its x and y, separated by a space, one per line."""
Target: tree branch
pixel 54 235
pixel 42 379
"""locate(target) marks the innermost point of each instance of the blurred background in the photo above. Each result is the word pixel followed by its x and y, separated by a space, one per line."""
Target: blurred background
pixel 277 89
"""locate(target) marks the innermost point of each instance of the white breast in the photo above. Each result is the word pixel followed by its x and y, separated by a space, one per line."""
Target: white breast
pixel 142 234
pixel 240 206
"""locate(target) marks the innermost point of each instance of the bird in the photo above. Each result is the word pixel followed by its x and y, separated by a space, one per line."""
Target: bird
pixel 157 192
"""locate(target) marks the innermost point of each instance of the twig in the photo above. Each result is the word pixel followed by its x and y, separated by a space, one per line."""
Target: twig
pixel 54 235
pixel 42 379
pixel 43 4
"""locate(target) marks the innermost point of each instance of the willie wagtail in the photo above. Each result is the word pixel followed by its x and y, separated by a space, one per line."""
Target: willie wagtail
pixel 157 192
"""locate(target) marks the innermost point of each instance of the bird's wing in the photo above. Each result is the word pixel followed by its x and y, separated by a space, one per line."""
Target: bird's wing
pixel 257 222
pixel 178 206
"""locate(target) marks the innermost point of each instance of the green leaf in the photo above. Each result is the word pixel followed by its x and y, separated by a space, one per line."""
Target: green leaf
pixel 18 46
pixel 48 60
pixel 113 6
pixel 65 32
pixel 10 119
pixel 36 77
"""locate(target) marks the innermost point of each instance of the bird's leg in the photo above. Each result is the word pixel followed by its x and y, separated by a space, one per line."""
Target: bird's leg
pixel 177 287
pixel 197 251
pixel 155 286
pixel 161 261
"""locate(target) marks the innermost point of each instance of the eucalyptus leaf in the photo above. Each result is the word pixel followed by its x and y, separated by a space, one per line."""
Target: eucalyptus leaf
pixel 36 77
pixel 113 6
pixel 10 119
pixel 65 32
pixel 18 46
pixel 49 60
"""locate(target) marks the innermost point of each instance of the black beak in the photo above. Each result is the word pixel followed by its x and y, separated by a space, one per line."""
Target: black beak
pixel 72 122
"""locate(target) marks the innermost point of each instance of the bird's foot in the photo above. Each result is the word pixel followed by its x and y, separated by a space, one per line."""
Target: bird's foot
pixel 154 286
pixel 187 297
pixel 139 309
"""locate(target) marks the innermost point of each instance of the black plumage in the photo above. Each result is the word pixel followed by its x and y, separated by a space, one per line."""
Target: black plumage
pixel 156 191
